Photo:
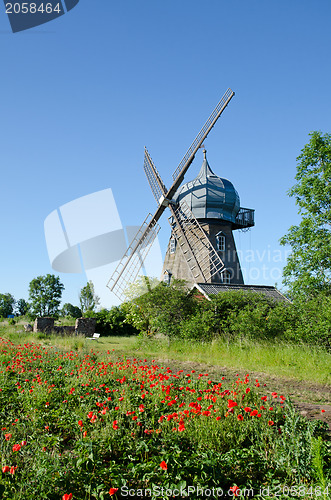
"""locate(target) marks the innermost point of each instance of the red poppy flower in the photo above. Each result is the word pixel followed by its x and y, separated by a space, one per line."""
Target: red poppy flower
pixel 5 469
pixel 112 491
pixel 322 411
pixel 240 417
pixel 80 423
pixel 12 470
pixel 8 436
pixel 235 490
pixel 253 413
pixel 271 422
pixel 16 447
pixel 163 465
pixel 232 404
pixel 67 496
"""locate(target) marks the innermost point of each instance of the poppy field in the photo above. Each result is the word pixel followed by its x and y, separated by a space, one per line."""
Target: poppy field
pixel 90 425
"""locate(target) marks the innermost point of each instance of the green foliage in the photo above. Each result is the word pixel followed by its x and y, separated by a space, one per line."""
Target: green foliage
pixel 22 307
pixel 235 311
pixel 45 294
pixel 231 315
pixel 201 325
pixel 313 321
pixel 70 310
pixel 88 299
pixel 113 322
pixel 162 309
pixel 7 303
pixel 308 268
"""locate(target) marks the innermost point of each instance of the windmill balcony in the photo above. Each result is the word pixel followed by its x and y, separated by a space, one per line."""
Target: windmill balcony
pixel 244 219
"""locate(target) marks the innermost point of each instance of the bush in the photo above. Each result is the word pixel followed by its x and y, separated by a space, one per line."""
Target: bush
pixel 163 309
pixel 113 322
pixel 314 321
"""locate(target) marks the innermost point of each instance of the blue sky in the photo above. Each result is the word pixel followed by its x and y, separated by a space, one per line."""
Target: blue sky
pixel 83 94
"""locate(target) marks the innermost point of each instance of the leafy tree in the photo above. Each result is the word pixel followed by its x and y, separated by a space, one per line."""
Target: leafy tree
pixel 162 309
pixel 308 268
pixel 7 303
pixel 70 310
pixel 45 294
pixel 87 298
pixel 22 307
pixel 113 322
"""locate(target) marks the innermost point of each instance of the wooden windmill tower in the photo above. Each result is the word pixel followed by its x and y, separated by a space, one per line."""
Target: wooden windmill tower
pixel 196 248
pixel 215 204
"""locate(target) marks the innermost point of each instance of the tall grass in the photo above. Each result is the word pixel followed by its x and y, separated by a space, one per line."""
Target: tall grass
pixel 297 362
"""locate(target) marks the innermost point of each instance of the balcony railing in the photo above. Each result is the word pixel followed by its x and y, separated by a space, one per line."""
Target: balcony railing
pixel 245 218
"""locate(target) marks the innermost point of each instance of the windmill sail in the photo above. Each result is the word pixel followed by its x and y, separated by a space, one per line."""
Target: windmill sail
pixel 199 253
pixel 158 188
pixel 128 268
pixel 189 156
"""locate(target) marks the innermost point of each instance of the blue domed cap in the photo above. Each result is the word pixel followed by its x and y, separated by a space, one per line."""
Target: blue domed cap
pixel 210 196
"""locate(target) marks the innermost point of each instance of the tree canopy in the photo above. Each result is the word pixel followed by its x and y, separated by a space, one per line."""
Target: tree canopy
pixel 22 307
pixel 162 309
pixel 308 267
pixel 70 310
pixel 88 299
pixel 7 303
pixel 45 294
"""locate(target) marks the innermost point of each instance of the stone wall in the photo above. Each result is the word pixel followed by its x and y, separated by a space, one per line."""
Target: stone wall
pixel 43 324
pixel 64 330
pixel 85 326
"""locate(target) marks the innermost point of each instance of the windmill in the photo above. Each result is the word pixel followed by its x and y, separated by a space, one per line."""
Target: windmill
pixel 201 257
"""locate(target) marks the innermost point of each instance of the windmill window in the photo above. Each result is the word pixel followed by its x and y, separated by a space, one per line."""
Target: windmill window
pixel 172 245
pixel 220 242
pixel 226 278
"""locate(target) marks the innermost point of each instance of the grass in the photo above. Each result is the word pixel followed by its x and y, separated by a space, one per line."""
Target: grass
pixel 294 362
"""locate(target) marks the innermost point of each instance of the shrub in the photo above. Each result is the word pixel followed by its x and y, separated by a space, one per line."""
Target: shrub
pixel 314 321
pixel 162 309
pixel 113 322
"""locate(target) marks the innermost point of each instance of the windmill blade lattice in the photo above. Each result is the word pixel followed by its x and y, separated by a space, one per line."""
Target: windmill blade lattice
pixel 180 171
pixel 128 268
pixel 158 188
pixel 199 253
